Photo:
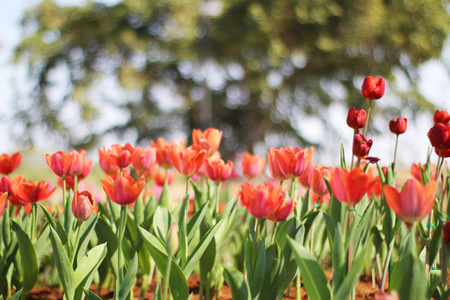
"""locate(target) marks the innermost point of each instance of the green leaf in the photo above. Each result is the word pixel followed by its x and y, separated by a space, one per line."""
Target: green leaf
pixel 350 280
pixel 316 284
pixel 256 279
pixel 164 199
pixel 331 226
pixel 27 258
pixel 162 219
pixel 63 264
pixel 129 279
pixel 434 281
pixel 17 295
pixel 339 259
pixel 183 231
pixel 195 221
pixel 238 285
pixel 177 284
pixel 343 164
pixel 87 265
pixel 435 243
pixel 87 228
pixel 51 220
pixel 90 295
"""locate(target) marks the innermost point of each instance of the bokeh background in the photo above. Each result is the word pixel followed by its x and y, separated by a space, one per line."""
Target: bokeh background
pixel 86 74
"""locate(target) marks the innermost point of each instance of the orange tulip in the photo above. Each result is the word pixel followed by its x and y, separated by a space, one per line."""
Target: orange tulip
pixel 218 170
pixel 252 165
pixel 413 203
pixel 349 187
pixel 3 200
pixel 29 191
pixel 188 161
pixel 124 190
pixel 143 159
pixel 164 151
pixel 62 164
pixel 282 209
pixel 318 176
pixel 160 177
pixel 286 163
pixel 84 166
pixel 9 163
pixel 416 171
pixel 208 139
pixel 305 178
pixel 117 157
pixel 83 205
pixel 150 173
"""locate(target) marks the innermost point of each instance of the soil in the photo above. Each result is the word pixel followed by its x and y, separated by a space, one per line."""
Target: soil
pixel 364 290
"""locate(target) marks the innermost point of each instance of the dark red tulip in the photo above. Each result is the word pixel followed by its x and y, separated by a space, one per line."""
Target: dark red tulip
pixel 398 126
pixel 356 118
pixel 373 87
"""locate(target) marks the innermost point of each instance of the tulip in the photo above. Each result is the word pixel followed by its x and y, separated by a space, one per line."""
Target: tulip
pixel 398 126
pixel 107 163
pixel 349 187
pixel 319 200
pixel 5 184
pixel 143 159
pixel 373 87
pixel 29 191
pixel 62 164
pixel 446 232
pixel 318 176
pixel 160 177
pixel 9 163
pixel 282 209
pixel 356 118
pixel 218 170
pixel 305 178
pixel 83 205
pixel 442 153
pixel 413 203
pixel 124 190
pixel 188 161
pixel 164 151
pixel 386 296
pixel 375 187
pixel 361 146
pixel 84 166
pixel 439 136
pixel 441 116
pixel 3 200
pixel 416 172
pixel 252 165
pixel 286 163
pixel 208 139
pixel 173 241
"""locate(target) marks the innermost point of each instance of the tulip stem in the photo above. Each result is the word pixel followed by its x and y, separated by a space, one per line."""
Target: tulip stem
pixel 386 266
pixel 350 247
pixel 217 197
pixel 353 142
pixel 167 277
pixel 395 153
pixel 33 222
pixel 443 250
pixel 293 188
pixel 368 117
pixel 120 233
pixel 75 246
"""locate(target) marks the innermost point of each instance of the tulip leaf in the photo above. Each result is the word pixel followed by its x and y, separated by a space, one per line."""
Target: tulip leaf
pixel 162 219
pixel 339 260
pixel 87 265
pixel 90 295
pixel 256 279
pixel 51 220
pixel 87 228
pixel 331 226
pixel 238 285
pixel 183 231
pixel 435 243
pixel 195 221
pixel 342 156
pixel 17 295
pixel 209 256
pixel 128 281
pixel 164 200
pixel 177 284
pixel 63 264
pixel 314 280
pixel 28 259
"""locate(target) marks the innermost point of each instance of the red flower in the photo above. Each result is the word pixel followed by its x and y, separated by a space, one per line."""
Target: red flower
pixel 282 209
pixel 9 163
pixel 164 151
pixel 150 173
pixel 3 200
pixel 349 187
pixel 83 205
pixel 413 203
pixel 398 126
pixel 318 176
pixel 160 177
pixel 361 146
pixel 252 165
pixel 446 232
pixel 62 164
pixel 305 178
pixel 439 136
pixel 218 170
pixel 188 161
pixel 143 159
pixel 286 163
pixel 356 118
pixel 441 116
pixel 442 153
pixel 208 139
pixel 123 190
pixel 29 191
pixel 416 171
pixel 373 87
pixel 84 166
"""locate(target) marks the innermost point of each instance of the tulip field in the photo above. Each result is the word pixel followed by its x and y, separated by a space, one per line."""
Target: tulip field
pixel 309 228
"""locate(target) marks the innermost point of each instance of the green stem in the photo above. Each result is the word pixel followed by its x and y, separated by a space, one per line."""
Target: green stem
pixel 395 153
pixel 368 117
pixel 217 197
pixel 120 234
pixel 33 222
pixel 75 183
pixel 353 157
pixel 298 287
pixel 167 277
pixel 77 241
pixel 386 266
pixel 274 231
pixel 293 188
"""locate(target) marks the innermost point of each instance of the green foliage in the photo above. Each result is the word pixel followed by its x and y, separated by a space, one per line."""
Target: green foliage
pixel 273 61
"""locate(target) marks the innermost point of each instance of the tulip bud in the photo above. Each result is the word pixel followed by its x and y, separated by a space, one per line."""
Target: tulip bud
pixel 361 146
pixel 441 116
pixel 446 232
pixel 373 87
pixel 439 136
pixel 173 242
pixel 83 205
pixel 386 296
pixel 398 126
pixel 356 118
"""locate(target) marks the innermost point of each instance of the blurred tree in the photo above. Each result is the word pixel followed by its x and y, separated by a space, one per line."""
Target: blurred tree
pixel 250 68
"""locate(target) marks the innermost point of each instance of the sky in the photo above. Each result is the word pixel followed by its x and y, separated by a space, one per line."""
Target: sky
pixel 434 83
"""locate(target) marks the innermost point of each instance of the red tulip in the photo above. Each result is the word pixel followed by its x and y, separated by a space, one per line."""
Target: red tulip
pixel 398 126
pixel 164 151
pixel 29 191
pixel 441 116
pixel 286 163
pixel 349 187
pixel 442 153
pixel 84 166
pixel 208 139
pixel 361 146
pixel 188 161
pixel 252 165
pixel 282 209
pixel 124 190
pixel 392 295
pixel 413 203
pixel 356 118
pixel 5 184
pixel 218 170
pixel 9 163
pixel 83 205
pixel 143 159
pixel 439 136
pixel 373 87
pixel 160 177
pixel 3 200
pixel 318 176
pixel 446 232
pixel 305 178
pixel 150 173
pixel 62 164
